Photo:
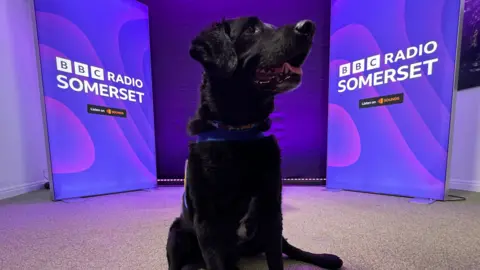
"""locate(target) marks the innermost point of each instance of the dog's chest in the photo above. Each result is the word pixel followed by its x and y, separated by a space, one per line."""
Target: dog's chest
pixel 246 228
pixel 242 232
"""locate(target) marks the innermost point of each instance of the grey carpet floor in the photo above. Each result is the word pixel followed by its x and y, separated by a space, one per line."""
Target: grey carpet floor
pixel 129 231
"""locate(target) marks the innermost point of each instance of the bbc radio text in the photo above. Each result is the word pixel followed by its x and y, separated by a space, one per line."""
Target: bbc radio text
pixel 97 81
pixel 358 69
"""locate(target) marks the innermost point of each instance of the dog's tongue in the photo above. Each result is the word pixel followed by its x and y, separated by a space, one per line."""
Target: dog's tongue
pixel 288 68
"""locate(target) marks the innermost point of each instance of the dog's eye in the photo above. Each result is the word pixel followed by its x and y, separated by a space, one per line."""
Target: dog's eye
pixel 252 30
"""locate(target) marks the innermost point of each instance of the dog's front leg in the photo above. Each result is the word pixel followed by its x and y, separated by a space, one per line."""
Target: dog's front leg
pixel 270 213
pixel 273 242
pixel 218 244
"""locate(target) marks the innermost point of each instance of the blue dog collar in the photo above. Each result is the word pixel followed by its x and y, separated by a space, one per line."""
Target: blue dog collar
pixel 229 135
pixel 224 132
pixel 220 125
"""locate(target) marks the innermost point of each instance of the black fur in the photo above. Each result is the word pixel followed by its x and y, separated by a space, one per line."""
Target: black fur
pixel 233 194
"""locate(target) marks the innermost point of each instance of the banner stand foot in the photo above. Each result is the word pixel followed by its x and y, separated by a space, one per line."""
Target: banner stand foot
pixel 421 201
pixel 332 189
pixel 75 200
pixel 151 189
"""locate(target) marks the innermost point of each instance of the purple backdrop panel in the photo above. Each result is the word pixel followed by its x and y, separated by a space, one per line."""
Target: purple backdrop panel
pixel 300 119
pixel 95 58
pixel 469 75
pixel 390 96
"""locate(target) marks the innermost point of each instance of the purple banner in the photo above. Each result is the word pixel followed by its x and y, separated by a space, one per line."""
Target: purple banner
pixel 392 69
pixel 469 75
pixel 95 59
pixel 300 119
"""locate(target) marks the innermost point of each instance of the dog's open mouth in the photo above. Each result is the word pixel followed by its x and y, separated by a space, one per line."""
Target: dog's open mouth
pixel 279 74
pixel 273 77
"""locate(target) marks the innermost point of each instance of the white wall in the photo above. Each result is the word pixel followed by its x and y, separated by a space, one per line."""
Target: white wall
pixel 23 158
pixel 465 164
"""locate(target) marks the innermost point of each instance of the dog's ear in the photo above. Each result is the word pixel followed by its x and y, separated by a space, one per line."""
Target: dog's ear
pixel 214 49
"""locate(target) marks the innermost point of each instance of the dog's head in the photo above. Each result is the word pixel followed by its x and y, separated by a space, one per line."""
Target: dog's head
pixel 246 63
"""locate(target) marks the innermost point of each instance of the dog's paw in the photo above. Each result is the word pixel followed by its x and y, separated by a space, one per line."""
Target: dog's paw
pixel 328 261
pixel 194 267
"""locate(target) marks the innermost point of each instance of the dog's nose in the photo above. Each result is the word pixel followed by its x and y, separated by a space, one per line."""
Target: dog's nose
pixel 305 27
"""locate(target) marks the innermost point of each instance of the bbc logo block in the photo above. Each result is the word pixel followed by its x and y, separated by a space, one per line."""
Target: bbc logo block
pixel 373 62
pixel 64 65
pixel 344 70
pixel 358 66
pixel 97 73
pixel 80 69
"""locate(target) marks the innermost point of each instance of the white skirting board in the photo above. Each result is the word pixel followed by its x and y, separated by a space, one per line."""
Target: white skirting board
pixel 468 185
pixel 20 189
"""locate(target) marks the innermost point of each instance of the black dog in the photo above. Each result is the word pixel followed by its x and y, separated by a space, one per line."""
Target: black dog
pixel 232 199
